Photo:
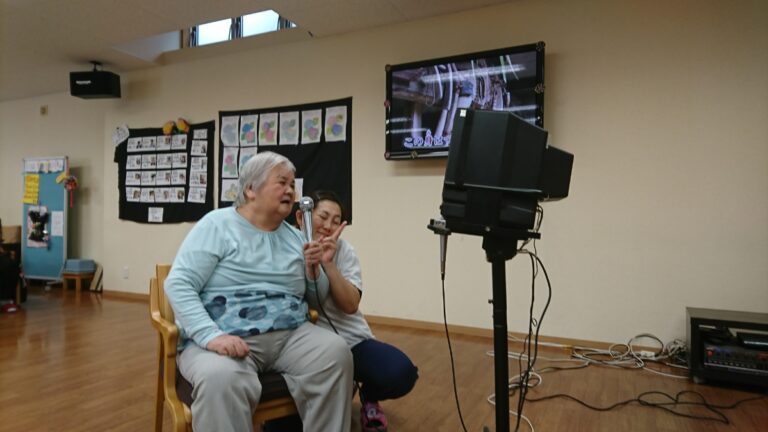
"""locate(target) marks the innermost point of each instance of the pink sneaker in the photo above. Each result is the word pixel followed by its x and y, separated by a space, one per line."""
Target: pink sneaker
pixel 372 418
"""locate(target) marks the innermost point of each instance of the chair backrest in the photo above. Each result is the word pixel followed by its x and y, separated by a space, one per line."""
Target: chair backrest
pixel 161 271
pixel 163 320
pixel 96 282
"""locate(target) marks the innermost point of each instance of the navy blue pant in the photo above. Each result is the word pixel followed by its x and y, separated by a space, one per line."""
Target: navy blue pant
pixel 383 372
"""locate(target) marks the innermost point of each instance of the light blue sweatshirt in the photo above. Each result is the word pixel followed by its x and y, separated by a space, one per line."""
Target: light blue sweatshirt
pixel 230 277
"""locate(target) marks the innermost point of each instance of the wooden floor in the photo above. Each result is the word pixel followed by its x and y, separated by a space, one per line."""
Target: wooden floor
pixel 89 366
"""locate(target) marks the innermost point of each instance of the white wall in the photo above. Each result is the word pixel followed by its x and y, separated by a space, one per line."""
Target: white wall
pixel 72 127
pixel 665 106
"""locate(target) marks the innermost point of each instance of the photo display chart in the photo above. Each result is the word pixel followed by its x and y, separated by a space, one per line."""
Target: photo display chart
pixel 166 178
pixel 316 137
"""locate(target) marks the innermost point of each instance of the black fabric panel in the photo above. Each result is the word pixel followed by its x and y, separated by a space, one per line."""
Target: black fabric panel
pixel 322 165
pixel 172 212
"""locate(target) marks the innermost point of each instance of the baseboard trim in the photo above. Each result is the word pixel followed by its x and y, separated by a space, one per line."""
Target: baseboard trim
pixel 568 343
pixel 127 296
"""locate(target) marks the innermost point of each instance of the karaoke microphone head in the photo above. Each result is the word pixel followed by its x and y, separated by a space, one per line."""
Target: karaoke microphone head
pixel 306 204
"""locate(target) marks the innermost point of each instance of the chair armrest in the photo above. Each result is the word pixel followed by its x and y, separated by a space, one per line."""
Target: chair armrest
pixel 168 332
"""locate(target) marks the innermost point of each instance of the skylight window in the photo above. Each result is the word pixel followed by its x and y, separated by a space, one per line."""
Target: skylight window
pixel 213 32
pixel 260 22
pixel 239 27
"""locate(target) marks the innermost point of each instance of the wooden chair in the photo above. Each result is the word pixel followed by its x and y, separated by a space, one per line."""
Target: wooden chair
pixel 176 392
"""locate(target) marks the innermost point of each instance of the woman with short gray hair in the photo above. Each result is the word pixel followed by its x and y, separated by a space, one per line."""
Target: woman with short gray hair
pixel 237 287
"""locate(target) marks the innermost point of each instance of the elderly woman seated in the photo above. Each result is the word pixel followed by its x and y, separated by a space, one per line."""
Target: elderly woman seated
pixel 237 287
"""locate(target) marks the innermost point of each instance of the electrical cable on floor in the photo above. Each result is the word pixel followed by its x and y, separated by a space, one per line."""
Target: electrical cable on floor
pixel 625 356
pixel 531 338
pixel 674 401
pixel 492 400
pixel 641 400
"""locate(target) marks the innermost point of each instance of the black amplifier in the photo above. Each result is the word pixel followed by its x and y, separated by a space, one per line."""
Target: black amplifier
pixel 729 347
pixel 736 358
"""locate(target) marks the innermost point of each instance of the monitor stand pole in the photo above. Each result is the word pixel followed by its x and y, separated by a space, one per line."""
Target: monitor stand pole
pixel 500 246
pixel 498 251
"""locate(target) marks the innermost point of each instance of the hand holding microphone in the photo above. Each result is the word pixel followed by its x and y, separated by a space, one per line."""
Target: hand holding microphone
pixel 306 205
pixel 313 251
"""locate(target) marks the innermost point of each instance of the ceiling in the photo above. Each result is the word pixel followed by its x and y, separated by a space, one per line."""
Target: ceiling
pixel 41 41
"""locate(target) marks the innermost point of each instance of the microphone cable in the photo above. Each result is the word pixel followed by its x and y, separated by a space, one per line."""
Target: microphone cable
pixel 322 310
pixel 450 352
pixel 320 304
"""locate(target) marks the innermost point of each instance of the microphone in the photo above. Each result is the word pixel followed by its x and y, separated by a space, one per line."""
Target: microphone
pixel 443 247
pixel 306 205
pixel 439 227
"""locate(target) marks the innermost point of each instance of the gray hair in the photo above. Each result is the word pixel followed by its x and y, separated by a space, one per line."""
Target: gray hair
pixel 254 173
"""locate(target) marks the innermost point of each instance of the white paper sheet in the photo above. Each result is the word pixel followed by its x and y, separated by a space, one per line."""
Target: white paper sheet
pixel 155 215
pixel 57 223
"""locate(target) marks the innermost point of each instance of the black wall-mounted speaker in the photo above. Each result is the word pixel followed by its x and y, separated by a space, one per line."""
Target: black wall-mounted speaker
pixel 94 84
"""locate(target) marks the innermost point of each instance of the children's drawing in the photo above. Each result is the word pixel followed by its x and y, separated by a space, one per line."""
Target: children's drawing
pixel 228 190
pixel 310 126
pixel 248 130
pixel 245 154
pixel 268 129
pixel 289 128
pixel 336 123
pixel 229 131
pixel 229 167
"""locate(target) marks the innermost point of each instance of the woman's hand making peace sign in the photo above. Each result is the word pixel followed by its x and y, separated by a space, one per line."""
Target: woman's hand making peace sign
pixel 329 244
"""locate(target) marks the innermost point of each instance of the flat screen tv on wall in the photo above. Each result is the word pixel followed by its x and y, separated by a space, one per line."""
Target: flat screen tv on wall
pixel 423 97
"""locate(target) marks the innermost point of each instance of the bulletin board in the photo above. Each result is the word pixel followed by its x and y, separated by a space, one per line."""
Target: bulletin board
pixel 166 178
pixel 44 217
pixel 316 137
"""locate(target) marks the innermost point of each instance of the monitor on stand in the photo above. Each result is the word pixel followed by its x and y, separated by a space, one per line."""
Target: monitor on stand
pixel 499 169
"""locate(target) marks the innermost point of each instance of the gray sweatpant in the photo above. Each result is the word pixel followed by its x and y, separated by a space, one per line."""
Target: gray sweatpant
pixel 316 364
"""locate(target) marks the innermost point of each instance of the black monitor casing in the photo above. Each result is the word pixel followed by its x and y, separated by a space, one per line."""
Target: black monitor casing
pixel 499 168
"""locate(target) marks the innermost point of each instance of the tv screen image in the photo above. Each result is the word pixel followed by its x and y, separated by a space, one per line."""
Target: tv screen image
pixel 423 97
